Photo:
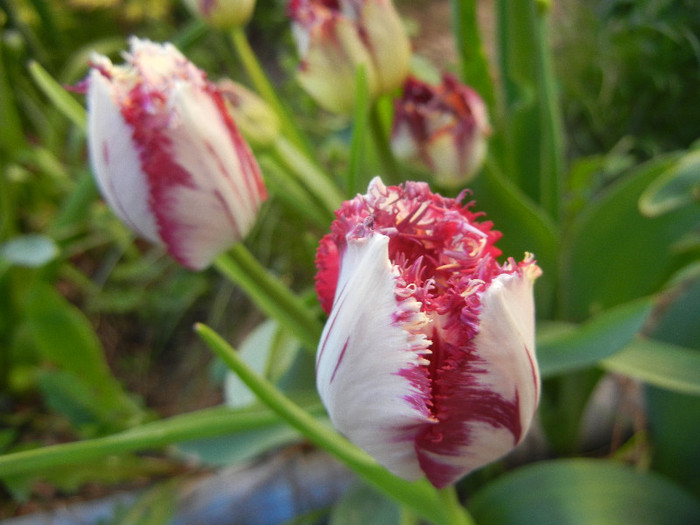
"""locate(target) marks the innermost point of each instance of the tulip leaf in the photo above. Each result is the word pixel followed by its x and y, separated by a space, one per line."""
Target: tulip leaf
pixel 676 187
pixel 532 130
pixel 355 181
pixel 63 101
pixel 65 338
pixel 583 491
pixel 525 228
pixel 564 348
pixel 614 254
pixel 660 364
pixel 469 44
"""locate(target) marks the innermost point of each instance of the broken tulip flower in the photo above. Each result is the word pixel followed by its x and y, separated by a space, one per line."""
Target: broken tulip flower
pixel 443 127
pixel 334 37
pixel 167 156
pixel 427 360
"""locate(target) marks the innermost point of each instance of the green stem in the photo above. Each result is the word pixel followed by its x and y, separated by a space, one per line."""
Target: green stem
pixel 473 61
pixel 381 141
pixel 317 182
pixel 264 87
pixel 205 423
pixel 458 515
pixel 270 295
pixel 419 496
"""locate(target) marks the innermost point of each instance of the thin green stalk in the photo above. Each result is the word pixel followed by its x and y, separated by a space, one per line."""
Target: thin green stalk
pixel 456 511
pixel 381 142
pixel 473 62
pixel 274 298
pixel 205 423
pixel 264 87
pixel 420 496
pixel 357 145
pixel 317 182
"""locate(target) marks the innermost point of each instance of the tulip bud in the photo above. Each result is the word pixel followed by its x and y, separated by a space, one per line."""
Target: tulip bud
pixel 256 120
pixel 427 360
pixel 334 37
pixel 222 14
pixel 443 128
pixel 167 156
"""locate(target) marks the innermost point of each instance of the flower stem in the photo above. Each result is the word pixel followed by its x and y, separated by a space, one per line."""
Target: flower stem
pixel 317 182
pixel 420 496
pixel 264 87
pixel 458 515
pixel 272 297
pixel 381 142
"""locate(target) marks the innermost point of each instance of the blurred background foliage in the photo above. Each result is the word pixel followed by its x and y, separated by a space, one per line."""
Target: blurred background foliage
pixel 95 326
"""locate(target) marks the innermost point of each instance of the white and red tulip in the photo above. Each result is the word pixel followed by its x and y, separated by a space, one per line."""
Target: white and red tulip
pixel 427 360
pixel 334 37
pixel 167 156
pixel 443 128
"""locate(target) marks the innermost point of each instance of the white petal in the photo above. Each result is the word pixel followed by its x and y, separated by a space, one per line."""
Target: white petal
pixel 220 205
pixel 505 348
pixel 115 160
pixel 362 359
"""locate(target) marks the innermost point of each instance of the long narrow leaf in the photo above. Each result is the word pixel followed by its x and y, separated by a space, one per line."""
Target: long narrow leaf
pixel 660 364
pixel 58 95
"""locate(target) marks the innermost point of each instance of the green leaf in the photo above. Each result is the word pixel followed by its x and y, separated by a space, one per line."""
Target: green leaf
pixel 532 129
pixel 63 101
pixel 31 250
pixel 472 56
pixel 236 448
pixel 678 186
pixel 583 491
pixel 660 364
pixel 525 228
pixel 66 339
pixel 613 254
pixel 563 348
pixel 155 507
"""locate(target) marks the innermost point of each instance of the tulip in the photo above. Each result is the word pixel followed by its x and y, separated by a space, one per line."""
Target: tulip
pixel 334 37
pixel 222 14
pixel 443 128
pixel 167 156
pixel 427 360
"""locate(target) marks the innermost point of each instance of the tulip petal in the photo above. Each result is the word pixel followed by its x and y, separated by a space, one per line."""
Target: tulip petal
pixel 494 393
pixel 115 160
pixel 213 200
pixel 369 367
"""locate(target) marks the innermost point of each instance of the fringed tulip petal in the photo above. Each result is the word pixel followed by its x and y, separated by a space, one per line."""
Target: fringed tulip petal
pixel 366 359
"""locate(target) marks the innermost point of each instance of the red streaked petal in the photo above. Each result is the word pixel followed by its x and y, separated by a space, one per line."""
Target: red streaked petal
pixel 214 201
pixel 115 159
pixel 494 389
pixel 366 360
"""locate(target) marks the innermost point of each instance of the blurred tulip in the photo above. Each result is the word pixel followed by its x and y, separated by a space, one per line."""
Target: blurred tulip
pixel 222 14
pixel 442 127
pixel 256 120
pixel 335 36
pixel 167 155
pixel 427 360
